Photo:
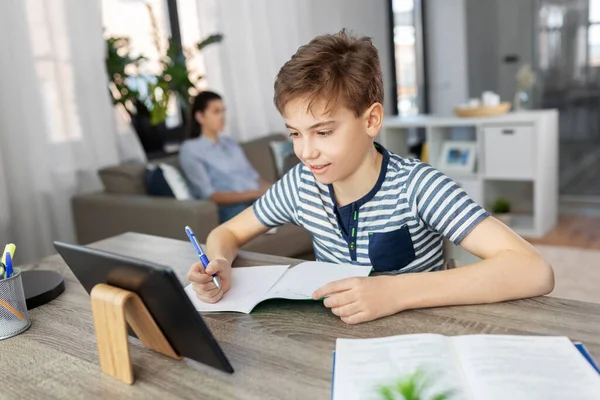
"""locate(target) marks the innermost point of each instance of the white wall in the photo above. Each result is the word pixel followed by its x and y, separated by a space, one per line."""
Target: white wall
pixel 446 52
pixel 495 29
pixel 467 41
pixel 369 18
pixel 515 36
pixel 261 35
pixel 482 45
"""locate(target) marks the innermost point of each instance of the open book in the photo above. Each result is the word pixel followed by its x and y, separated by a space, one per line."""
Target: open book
pixel 471 367
pixel 251 285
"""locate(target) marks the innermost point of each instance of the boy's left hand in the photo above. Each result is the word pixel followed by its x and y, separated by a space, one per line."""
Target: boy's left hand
pixel 357 300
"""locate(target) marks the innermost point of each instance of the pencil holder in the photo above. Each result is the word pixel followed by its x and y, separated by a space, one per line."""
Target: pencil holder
pixel 14 318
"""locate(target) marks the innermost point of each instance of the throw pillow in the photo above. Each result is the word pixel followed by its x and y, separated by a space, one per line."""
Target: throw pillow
pixel 165 180
pixel 290 162
pixel 281 150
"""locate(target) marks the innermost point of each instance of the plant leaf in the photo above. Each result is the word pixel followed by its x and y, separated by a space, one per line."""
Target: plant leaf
pixel 407 388
pixel 140 93
pixel 386 392
pixel 443 396
pixel 214 38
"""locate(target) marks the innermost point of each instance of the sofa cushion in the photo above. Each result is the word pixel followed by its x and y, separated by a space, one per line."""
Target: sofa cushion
pixel 126 178
pixel 172 160
pixel 166 180
pixel 260 156
pixel 289 162
pixel 129 178
pixel 281 150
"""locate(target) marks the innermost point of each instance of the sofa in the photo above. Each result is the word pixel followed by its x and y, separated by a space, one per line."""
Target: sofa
pixel 124 206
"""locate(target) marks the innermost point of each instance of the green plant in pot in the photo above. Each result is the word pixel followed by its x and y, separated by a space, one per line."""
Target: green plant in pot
pixel 412 387
pixel 146 96
pixel 501 210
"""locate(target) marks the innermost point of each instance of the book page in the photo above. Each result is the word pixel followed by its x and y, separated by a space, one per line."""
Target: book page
pixel 249 286
pixel 364 366
pixel 499 367
pixel 301 280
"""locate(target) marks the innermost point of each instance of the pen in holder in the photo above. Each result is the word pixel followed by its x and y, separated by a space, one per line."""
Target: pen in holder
pixel 14 318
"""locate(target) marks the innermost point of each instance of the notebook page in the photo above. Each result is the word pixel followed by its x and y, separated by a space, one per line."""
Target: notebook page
pixel 526 368
pixel 249 286
pixel 362 366
pixel 301 280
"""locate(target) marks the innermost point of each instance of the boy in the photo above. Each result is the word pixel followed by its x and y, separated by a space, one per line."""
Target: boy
pixel 367 206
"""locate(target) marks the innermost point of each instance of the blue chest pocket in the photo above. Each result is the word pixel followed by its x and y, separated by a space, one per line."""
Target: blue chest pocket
pixel 390 251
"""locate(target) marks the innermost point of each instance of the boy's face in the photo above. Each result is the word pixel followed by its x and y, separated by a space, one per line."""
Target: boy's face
pixel 333 145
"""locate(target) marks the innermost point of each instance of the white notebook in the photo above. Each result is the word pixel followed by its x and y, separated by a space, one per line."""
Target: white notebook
pixel 470 367
pixel 252 285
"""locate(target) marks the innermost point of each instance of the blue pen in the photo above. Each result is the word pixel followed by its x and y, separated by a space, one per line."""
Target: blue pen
pixel 201 254
pixel 9 266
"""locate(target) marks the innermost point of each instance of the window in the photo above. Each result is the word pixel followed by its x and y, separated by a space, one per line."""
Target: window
pixel 594 34
pixel 132 19
pixel 408 56
pixel 54 69
pixel 190 37
pixel 558 35
pixel 146 24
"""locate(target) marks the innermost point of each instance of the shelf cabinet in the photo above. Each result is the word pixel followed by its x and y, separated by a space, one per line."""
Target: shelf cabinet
pixel 509 151
pixel 516 157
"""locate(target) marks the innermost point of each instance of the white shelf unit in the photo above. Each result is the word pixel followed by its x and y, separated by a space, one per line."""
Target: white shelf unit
pixel 516 158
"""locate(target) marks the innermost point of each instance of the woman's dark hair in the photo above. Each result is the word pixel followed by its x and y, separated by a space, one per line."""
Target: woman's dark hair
pixel 200 104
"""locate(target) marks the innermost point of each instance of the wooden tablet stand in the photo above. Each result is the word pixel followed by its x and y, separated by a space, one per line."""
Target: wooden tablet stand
pixel 113 308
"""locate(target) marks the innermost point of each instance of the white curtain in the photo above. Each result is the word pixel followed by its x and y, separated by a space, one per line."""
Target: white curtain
pixel 261 35
pixel 57 124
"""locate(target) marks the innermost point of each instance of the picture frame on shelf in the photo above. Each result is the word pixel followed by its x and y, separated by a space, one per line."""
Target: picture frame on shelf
pixel 458 157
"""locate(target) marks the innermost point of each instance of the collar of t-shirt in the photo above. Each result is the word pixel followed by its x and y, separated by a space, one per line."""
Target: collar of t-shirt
pixel 347 216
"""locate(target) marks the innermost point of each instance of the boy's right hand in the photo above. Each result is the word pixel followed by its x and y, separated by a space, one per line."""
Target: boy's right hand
pixel 202 282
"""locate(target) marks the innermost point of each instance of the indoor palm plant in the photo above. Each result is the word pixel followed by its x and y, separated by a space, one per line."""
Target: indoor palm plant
pixel 146 96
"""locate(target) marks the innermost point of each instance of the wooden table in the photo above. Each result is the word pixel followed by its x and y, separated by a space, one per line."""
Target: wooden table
pixel 283 350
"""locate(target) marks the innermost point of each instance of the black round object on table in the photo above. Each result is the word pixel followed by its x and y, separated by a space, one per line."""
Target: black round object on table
pixel 41 287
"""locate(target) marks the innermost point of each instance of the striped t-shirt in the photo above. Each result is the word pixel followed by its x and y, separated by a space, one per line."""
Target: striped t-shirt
pixel 397 227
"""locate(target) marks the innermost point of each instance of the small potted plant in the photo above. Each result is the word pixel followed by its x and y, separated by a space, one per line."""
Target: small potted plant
pixel 501 210
pixel 412 387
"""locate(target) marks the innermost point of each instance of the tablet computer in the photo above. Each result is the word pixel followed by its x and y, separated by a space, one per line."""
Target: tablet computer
pixel 161 292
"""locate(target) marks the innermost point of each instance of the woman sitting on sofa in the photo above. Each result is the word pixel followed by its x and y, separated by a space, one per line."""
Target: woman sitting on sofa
pixel 216 166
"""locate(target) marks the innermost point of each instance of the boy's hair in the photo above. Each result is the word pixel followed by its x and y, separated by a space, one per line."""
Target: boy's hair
pixel 338 69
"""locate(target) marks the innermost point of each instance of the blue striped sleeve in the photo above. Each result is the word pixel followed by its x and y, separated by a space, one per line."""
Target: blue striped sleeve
pixel 442 204
pixel 279 204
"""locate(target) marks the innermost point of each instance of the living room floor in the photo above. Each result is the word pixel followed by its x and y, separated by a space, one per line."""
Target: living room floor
pixel 578 226
pixel 573 249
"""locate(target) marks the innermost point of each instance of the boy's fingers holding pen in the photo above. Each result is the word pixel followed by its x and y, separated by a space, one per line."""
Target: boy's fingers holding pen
pixel 215 266
pixel 203 283
pixel 206 289
pixel 210 297
pixel 197 267
pixel 197 274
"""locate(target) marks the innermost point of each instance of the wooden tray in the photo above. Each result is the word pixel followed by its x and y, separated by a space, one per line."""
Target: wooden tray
pixel 502 108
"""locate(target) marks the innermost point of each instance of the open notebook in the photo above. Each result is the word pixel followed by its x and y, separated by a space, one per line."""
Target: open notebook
pixel 471 367
pixel 251 285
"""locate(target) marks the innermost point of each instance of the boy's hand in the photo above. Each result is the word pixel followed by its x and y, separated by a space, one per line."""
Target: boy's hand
pixel 202 282
pixel 357 300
